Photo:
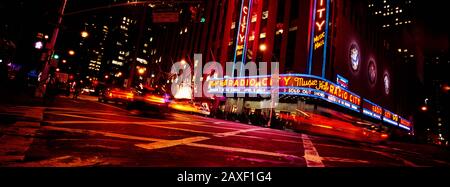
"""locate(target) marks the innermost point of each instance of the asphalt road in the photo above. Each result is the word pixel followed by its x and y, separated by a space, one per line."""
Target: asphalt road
pixel 74 133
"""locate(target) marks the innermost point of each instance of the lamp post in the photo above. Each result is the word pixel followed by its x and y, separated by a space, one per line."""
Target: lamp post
pixel 50 50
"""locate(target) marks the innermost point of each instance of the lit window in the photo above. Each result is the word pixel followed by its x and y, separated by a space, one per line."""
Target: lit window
pixel 265 14
pixel 253 18
pixel 262 35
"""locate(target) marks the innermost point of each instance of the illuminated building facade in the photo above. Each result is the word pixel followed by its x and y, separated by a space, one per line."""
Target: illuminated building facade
pixel 331 42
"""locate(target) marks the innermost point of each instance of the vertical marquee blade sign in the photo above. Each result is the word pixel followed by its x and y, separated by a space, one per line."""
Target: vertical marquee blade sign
pixel 318 29
pixel 242 32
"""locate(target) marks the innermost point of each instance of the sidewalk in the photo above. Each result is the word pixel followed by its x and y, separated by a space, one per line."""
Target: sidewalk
pixel 19 97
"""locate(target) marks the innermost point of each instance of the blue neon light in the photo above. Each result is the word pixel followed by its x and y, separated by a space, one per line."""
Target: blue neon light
pixel 285 75
pixel 326 39
pixel 338 101
pixel 371 114
pixel 237 37
pixel 312 39
pixel 244 51
pixel 404 127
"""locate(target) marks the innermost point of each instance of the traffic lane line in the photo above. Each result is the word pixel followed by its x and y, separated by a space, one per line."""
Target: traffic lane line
pixel 171 125
pixel 97 132
pixel 184 142
pixel 242 150
pixel 269 133
pixel 77 115
pixel 377 158
pixel 134 129
pixel 56 117
pixel 187 127
pixel 171 143
pixel 416 156
pixel 311 155
pixel 258 144
pixel 112 116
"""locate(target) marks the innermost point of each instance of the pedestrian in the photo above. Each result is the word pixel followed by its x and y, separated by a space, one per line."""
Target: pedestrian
pixel 77 89
pixel 51 88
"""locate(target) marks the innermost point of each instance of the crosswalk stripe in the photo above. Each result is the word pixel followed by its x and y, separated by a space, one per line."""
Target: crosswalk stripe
pixel 311 155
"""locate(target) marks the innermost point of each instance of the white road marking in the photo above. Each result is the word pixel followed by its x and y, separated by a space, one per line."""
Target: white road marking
pixel 348 160
pixel 242 150
pixel 63 161
pixel 108 134
pixel 74 116
pixel 112 106
pixel 232 133
pixel 171 143
pixel 311 155
pixel 405 162
pixel 216 147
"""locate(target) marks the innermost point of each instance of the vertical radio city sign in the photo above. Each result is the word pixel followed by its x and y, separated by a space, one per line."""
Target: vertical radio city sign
pixel 243 25
pixel 318 29
pixel 242 32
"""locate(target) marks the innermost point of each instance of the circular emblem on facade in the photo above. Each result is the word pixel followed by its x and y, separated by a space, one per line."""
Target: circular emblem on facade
pixel 387 83
pixel 355 57
pixel 372 72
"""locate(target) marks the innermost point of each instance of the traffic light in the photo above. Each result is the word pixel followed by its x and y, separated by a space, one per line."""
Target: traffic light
pixel 203 20
pixel 55 56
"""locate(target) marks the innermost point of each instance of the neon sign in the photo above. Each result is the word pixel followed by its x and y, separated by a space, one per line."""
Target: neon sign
pixel 307 86
pixel 404 124
pixel 243 26
pixel 318 36
pixel 319 39
pixel 341 81
pixel 242 34
pixel 303 85
pixel 372 110
pixel 390 117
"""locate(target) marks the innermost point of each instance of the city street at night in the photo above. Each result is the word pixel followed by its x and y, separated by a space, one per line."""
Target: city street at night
pixel 84 132
pixel 224 91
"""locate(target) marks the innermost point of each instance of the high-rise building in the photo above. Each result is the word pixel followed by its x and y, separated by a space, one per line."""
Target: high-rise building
pixel 392 14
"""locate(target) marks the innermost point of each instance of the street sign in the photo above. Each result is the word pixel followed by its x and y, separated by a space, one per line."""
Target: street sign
pixel 165 17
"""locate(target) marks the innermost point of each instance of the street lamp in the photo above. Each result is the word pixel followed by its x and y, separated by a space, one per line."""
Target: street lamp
pixel 71 52
pixel 141 71
pixel 424 108
pixel 263 47
pixel 183 62
pixel 38 45
pixel 84 34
